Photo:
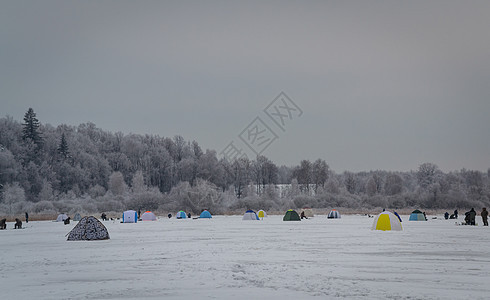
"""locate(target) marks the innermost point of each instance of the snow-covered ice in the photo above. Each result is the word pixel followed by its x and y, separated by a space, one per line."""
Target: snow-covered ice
pixel 227 258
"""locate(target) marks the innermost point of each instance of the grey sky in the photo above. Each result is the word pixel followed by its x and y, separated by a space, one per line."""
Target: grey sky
pixel 382 84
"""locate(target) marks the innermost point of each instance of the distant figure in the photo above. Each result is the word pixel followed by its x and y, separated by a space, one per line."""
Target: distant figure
pixel 169 216
pixel 484 216
pixel 467 218
pixel 446 215
pixel 455 213
pixel 103 217
pixel 27 217
pixel 425 216
pixel 472 216
pixel 303 215
pixel 384 209
pixel 3 224
pixel 139 213
pixel 189 215
pixel 67 221
pixel 18 224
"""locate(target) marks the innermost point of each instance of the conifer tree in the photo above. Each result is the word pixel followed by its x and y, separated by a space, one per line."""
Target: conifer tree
pixel 30 130
pixel 63 147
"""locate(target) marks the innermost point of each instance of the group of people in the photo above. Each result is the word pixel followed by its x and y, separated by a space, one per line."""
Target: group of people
pixel 17 225
pixel 470 216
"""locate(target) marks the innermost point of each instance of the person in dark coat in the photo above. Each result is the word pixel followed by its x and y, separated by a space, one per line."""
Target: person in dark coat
pixel 302 215
pixel 472 215
pixel 3 224
pixel 169 216
pixel 455 213
pixel 103 217
pixel 446 215
pixel 18 224
pixel 189 215
pixel 484 216
pixel 27 217
pixel 67 221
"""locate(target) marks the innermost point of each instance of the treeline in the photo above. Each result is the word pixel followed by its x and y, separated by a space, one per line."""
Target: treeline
pixel 46 170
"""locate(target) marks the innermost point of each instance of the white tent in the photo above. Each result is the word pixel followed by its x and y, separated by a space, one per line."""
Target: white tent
pixel 386 221
pixel 148 216
pixel 250 215
pixel 130 216
pixel 262 214
pixel 61 217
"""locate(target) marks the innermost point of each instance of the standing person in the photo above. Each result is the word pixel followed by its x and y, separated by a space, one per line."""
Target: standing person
pixel 27 217
pixel 472 214
pixel 484 216
pixel 139 214
pixel 455 213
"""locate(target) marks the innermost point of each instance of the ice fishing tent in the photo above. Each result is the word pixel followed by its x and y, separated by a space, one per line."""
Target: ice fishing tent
pixel 291 215
pixel 308 212
pixel 261 214
pixel 61 217
pixel 205 215
pixel 77 217
pixel 130 216
pixel 181 215
pixel 417 215
pixel 148 216
pixel 88 229
pixel 386 221
pixel 250 215
pixel 333 214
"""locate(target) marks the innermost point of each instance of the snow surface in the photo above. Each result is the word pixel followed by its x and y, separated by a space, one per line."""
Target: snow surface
pixel 227 258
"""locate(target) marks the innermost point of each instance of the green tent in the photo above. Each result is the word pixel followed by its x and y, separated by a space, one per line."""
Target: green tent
pixel 291 215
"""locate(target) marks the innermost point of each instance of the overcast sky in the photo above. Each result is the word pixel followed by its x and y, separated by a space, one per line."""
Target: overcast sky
pixel 381 84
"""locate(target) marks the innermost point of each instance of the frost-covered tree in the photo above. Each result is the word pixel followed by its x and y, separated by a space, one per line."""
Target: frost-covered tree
pixel 393 185
pixel 426 174
pixel 319 173
pixel 371 187
pixel 12 194
pixel 138 183
pixel 116 184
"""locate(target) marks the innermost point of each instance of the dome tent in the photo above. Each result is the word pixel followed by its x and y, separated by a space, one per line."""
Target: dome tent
pixel 77 217
pixel 148 216
pixel 291 215
pixel 417 215
pixel 88 229
pixel 61 217
pixel 261 214
pixel 130 216
pixel 333 214
pixel 386 221
pixel 181 215
pixel 250 215
pixel 205 215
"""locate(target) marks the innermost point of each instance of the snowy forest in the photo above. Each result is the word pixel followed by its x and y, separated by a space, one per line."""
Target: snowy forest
pixel 47 170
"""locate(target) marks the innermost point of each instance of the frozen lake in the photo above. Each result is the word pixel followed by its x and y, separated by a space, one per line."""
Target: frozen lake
pixel 225 258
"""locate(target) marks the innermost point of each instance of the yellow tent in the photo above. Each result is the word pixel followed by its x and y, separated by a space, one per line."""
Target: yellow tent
pixel 386 221
pixel 262 214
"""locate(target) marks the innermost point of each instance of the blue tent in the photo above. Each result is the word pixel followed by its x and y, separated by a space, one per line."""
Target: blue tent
pixel 130 216
pixel 417 215
pixel 205 215
pixel 181 215
pixel 250 215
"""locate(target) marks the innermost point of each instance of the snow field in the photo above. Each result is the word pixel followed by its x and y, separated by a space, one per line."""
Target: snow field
pixel 225 257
